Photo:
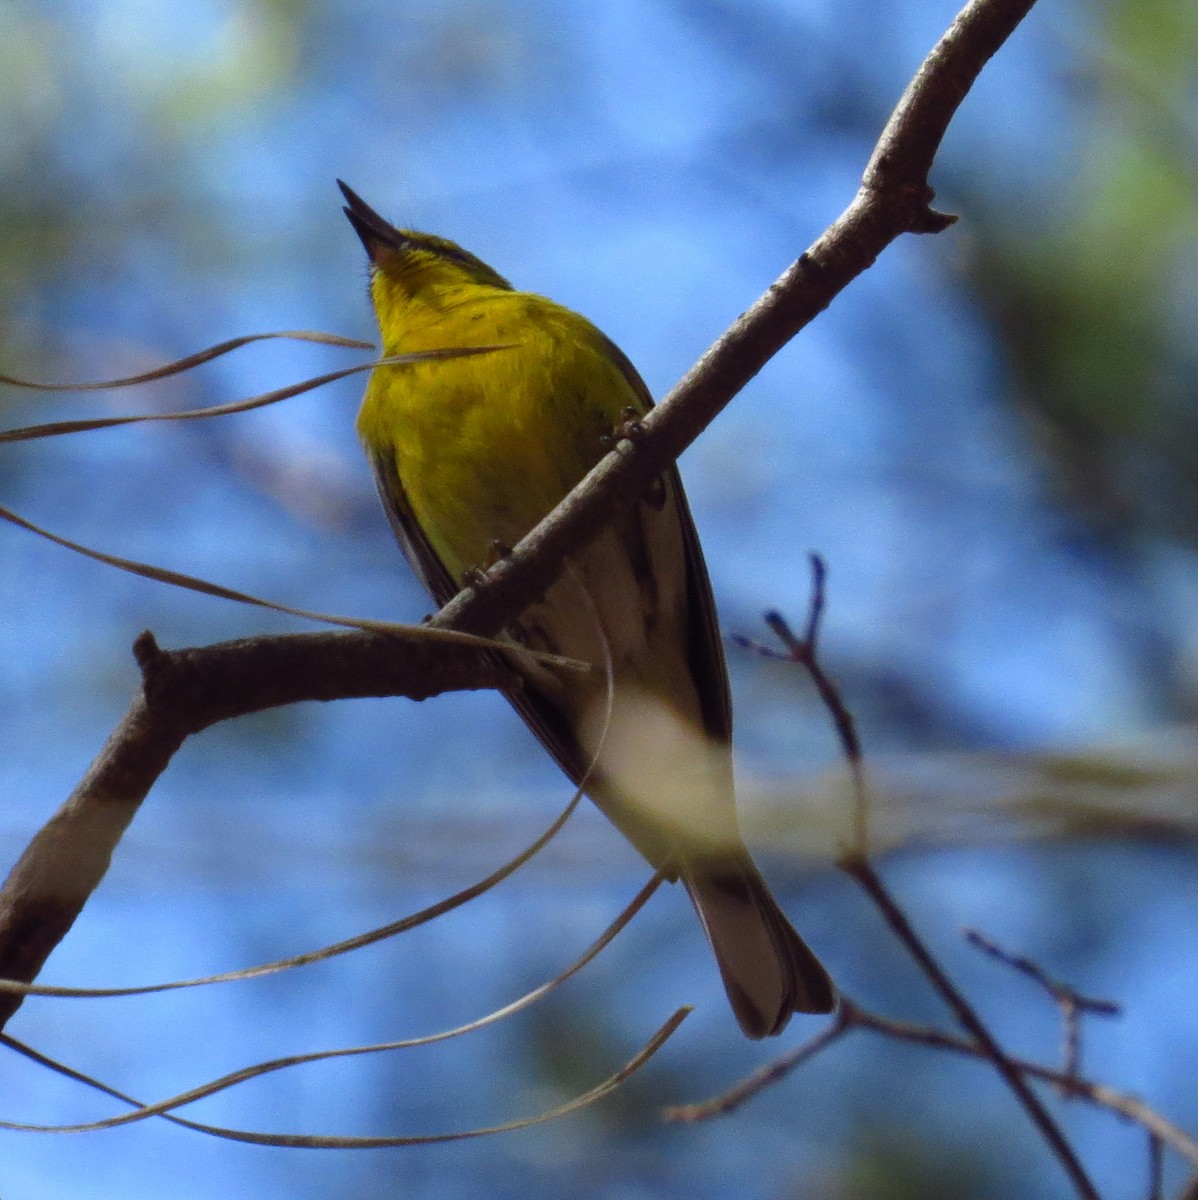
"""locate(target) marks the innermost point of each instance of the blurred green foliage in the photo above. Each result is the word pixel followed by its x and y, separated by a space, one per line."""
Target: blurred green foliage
pixel 1094 302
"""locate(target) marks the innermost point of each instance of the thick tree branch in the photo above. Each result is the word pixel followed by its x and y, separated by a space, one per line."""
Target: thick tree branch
pixel 182 693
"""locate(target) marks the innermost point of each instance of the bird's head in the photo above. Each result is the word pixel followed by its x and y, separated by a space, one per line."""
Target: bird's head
pixel 411 260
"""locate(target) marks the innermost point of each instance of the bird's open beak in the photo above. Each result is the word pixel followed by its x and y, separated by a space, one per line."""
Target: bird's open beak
pixel 380 238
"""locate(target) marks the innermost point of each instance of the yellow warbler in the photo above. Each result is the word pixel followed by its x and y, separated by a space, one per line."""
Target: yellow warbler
pixel 469 453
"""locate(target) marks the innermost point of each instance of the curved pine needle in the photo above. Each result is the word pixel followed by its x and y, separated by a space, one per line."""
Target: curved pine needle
pixel 191 360
pixel 245 1074
pixel 204 587
pixel 194 584
pixel 29 433
pixel 257 1070
pixel 392 929
pixel 325 1142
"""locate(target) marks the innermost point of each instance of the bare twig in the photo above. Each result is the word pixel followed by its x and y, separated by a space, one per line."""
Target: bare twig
pixel 726 1102
pixel 972 1023
pixel 1130 1107
pixel 851 1016
pixel 1071 1003
pixel 805 652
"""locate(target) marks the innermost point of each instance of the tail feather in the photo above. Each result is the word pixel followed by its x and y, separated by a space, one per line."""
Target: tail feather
pixel 767 969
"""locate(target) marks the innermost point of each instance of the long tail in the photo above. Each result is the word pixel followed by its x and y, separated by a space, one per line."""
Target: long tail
pixel 768 971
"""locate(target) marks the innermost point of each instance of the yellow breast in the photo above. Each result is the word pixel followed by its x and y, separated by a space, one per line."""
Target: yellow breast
pixel 486 445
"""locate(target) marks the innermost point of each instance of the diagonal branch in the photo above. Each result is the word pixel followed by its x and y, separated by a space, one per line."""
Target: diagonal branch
pixel 893 199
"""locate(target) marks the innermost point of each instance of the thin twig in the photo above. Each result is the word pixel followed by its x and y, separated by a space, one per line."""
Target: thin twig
pixel 967 1016
pixel 852 1016
pixel 1071 1002
pixel 768 1075
pixel 1156 1167
pixel 1099 1094
pixel 805 652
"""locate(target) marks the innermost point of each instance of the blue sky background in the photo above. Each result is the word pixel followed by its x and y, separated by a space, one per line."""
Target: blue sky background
pixel 166 179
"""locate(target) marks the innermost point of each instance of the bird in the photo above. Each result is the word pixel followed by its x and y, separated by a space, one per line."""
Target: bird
pixel 469 453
